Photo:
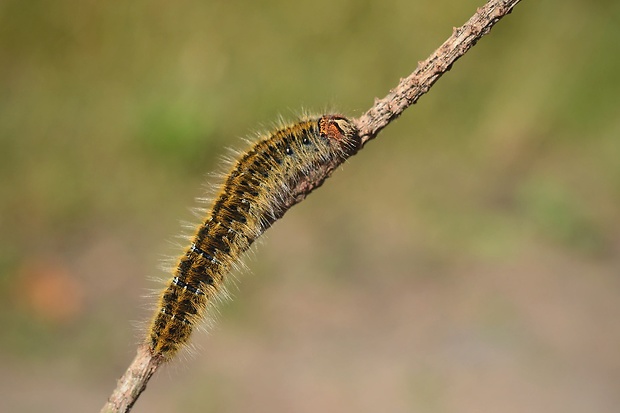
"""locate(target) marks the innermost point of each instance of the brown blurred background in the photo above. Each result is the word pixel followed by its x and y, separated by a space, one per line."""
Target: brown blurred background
pixel 465 261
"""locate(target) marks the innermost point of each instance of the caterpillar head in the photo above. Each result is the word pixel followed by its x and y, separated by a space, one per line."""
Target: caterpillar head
pixel 340 130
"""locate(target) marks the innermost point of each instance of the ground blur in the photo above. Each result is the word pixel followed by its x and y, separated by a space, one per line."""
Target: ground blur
pixel 468 260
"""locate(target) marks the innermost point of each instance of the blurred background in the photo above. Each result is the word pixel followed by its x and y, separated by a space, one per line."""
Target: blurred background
pixel 467 260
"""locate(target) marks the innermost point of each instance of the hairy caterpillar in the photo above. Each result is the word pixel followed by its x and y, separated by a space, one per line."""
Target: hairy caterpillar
pixel 263 184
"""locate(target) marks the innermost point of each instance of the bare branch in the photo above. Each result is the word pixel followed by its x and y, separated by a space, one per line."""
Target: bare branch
pixel 133 382
pixel 385 110
pixel 411 88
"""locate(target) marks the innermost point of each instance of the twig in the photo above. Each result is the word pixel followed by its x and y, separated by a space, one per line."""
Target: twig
pixel 385 110
pixel 133 382
pixel 411 88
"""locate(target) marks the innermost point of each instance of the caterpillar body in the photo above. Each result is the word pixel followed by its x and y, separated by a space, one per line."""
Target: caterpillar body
pixel 262 185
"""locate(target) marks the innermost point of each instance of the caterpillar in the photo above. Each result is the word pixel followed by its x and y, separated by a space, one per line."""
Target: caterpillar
pixel 262 185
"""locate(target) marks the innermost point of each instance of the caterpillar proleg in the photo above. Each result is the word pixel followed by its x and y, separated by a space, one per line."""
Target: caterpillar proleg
pixel 262 185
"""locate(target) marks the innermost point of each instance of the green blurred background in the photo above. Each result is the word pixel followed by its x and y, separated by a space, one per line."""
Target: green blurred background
pixel 467 260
